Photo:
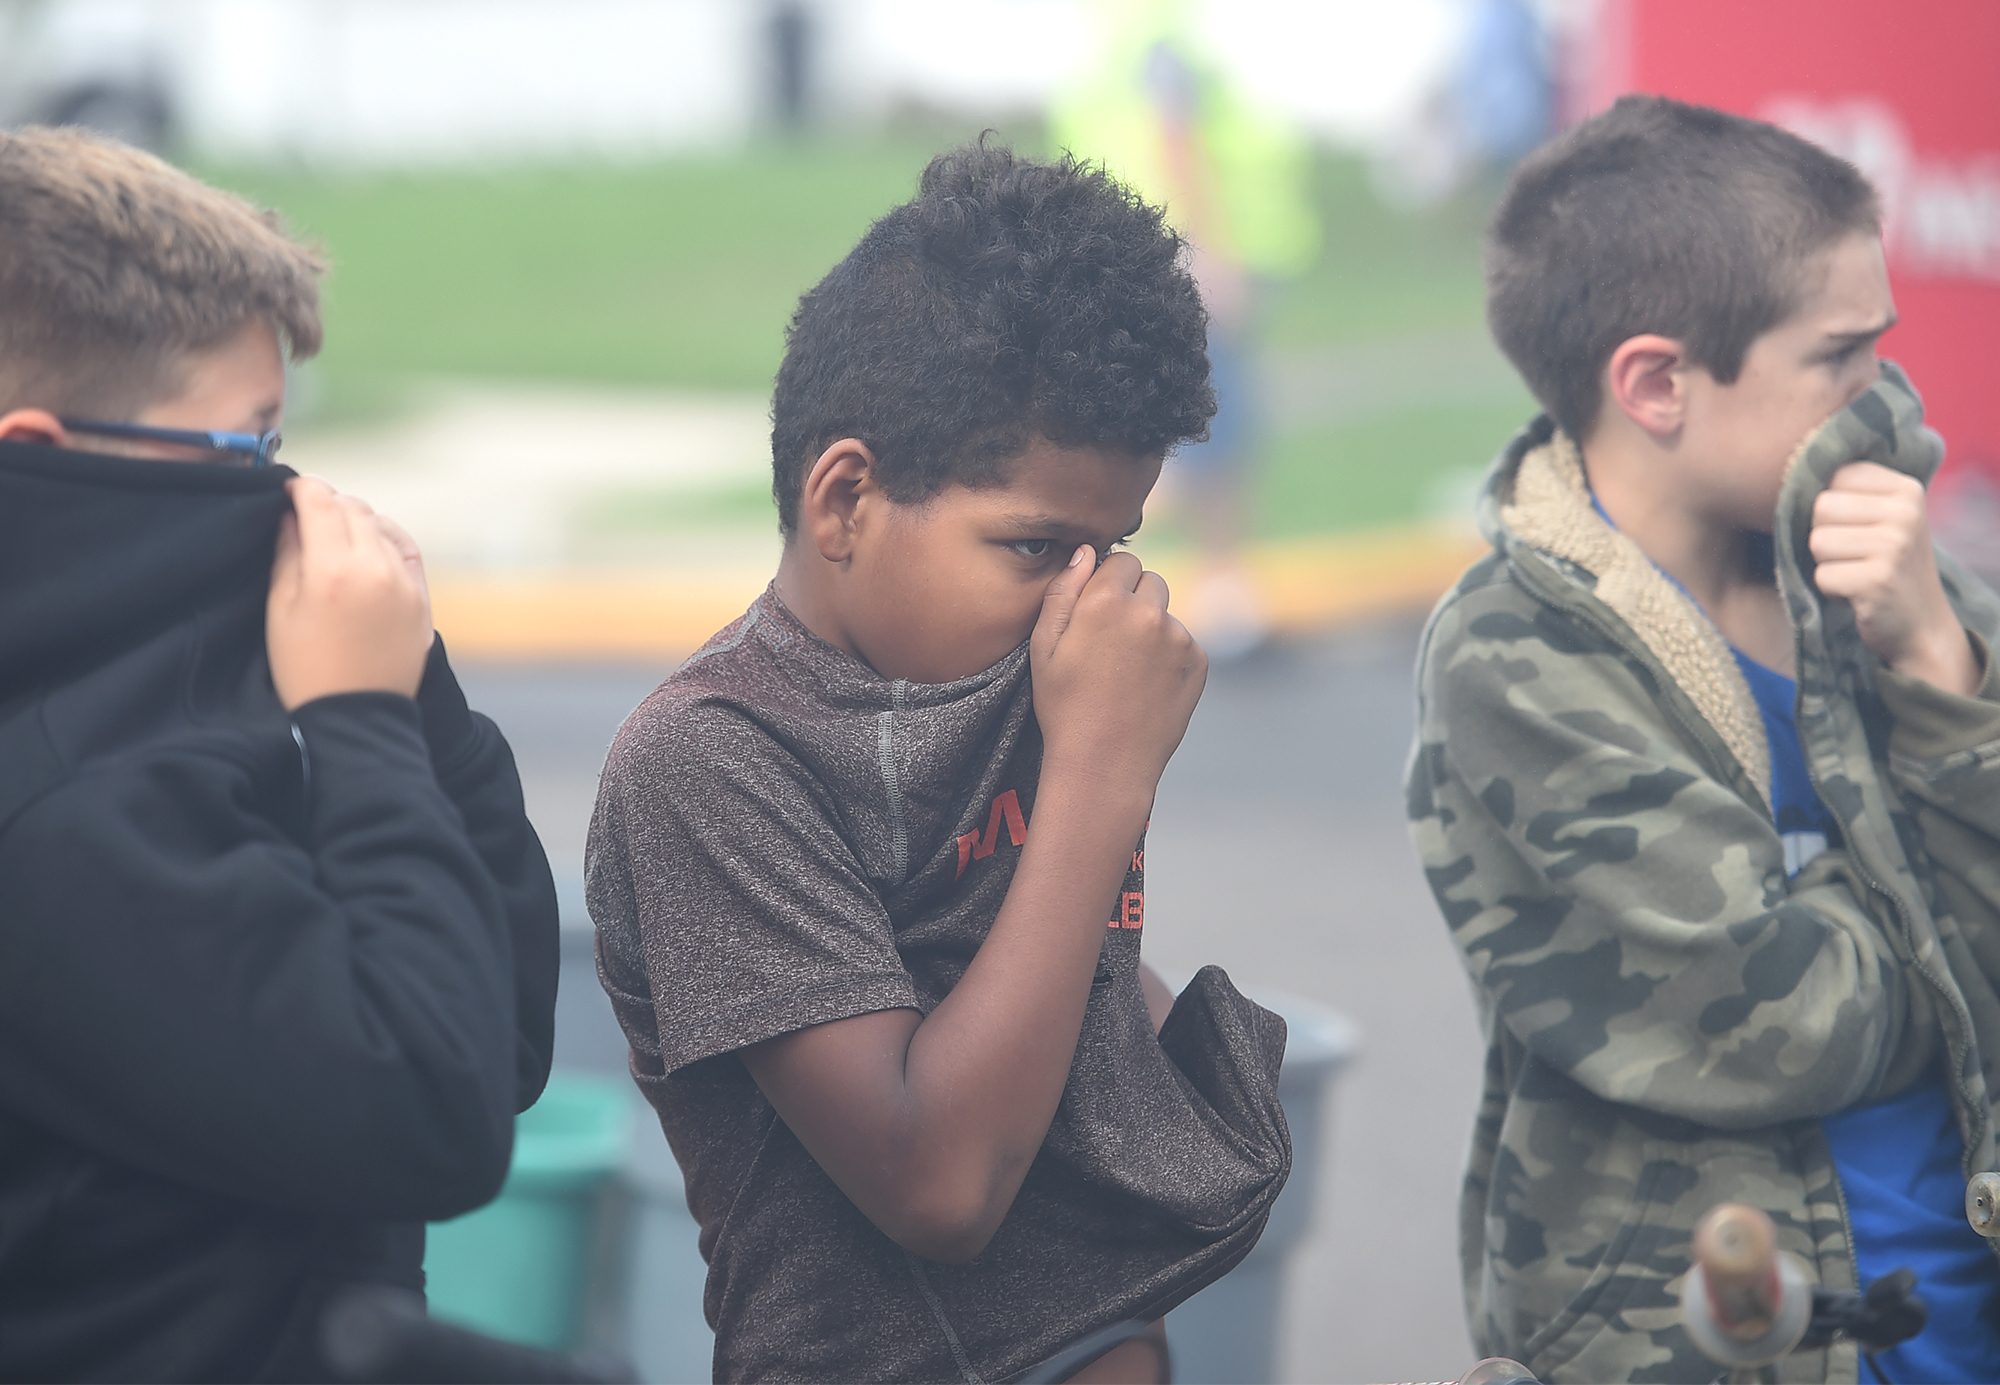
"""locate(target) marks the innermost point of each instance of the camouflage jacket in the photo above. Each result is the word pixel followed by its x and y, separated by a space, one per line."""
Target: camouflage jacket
pixel 1667 1014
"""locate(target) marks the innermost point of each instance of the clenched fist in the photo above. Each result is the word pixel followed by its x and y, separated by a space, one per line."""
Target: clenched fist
pixel 1871 539
pixel 1116 677
pixel 348 611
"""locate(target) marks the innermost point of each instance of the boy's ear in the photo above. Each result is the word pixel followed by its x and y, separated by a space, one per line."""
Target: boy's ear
pixel 32 425
pixel 1644 381
pixel 832 494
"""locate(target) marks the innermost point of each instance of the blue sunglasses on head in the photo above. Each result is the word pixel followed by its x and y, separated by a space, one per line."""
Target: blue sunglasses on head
pixel 240 449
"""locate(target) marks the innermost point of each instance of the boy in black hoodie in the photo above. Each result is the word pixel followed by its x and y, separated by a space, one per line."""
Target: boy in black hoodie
pixel 277 942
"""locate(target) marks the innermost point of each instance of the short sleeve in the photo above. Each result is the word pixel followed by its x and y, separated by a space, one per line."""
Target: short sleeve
pixel 715 864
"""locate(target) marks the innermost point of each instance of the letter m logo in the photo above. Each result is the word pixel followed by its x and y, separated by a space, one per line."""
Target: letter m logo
pixel 974 847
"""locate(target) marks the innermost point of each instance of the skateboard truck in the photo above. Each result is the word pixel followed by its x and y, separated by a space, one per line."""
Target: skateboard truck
pixel 1743 1302
pixel 1746 1303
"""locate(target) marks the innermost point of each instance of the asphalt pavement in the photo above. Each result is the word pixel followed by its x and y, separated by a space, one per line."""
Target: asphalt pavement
pixel 1277 851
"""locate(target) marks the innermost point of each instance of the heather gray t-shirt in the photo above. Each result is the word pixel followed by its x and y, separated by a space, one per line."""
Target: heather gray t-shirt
pixel 784 838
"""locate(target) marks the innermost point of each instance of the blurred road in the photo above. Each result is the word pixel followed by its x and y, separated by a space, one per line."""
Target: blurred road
pixel 1278 851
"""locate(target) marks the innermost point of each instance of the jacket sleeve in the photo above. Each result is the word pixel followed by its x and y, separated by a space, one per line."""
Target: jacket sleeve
pixel 475 767
pixel 320 1015
pixel 1944 753
pixel 1624 912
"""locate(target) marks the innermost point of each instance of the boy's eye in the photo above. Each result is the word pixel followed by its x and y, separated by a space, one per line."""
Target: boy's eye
pixel 1031 548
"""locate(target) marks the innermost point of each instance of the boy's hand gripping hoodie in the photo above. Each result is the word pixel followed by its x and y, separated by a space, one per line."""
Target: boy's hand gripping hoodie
pixel 271 988
pixel 1668 1016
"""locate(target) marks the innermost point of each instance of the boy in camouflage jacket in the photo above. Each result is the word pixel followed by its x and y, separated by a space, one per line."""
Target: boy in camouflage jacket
pixel 1674 1004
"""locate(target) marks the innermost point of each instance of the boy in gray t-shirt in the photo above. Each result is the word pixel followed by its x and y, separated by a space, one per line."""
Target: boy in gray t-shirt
pixel 937 1120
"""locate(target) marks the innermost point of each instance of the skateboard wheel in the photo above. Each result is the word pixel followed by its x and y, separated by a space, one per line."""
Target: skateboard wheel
pixel 1982 1203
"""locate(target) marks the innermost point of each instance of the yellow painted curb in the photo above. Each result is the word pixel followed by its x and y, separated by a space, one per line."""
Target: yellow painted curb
pixel 591 615
pixel 1315 583
pixel 1305 585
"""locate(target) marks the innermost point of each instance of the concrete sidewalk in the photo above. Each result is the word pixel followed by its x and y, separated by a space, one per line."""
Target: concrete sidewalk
pixel 552 526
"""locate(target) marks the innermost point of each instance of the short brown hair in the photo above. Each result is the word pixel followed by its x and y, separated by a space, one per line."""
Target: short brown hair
pixel 1658 216
pixel 114 266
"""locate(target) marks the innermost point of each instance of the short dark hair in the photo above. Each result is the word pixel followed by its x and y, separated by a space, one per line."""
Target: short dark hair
pixel 1011 298
pixel 1658 216
pixel 115 266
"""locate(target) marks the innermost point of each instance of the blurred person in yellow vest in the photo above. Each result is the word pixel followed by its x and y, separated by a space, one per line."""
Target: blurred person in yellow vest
pixel 1234 179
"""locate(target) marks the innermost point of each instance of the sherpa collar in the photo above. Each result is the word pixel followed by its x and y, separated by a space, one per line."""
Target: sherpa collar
pixel 1547 506
pixel 1537 495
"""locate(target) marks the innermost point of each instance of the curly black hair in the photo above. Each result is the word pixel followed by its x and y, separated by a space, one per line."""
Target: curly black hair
pixel 1011 298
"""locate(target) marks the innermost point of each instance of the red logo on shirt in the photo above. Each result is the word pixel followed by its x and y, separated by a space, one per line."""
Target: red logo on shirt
pixel 1006 808
pixel 1130 909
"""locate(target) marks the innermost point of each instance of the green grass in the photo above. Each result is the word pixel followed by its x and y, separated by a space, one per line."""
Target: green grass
pixel 669 274
pixel 642 510
pixel 683 273
pixel 1393 468
pixel 1382 273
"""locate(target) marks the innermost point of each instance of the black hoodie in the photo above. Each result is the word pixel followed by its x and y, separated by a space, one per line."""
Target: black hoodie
pixel 271 988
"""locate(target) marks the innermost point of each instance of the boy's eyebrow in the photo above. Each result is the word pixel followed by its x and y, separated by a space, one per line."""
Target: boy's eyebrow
pixel 1862 334
pixel 1061 528
pixel 266 414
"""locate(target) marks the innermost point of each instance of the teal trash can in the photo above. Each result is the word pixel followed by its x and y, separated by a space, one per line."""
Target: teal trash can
pixel 524 1266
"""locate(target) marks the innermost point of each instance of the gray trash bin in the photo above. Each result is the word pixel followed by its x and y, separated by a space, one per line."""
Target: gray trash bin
pixel 1228 1333
pixel 667 1338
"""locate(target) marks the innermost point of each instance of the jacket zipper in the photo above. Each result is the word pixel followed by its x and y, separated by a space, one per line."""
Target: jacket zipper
pixel 1700 737
pixel 1846 1223
pixel 1954 1042
pixel 1868 878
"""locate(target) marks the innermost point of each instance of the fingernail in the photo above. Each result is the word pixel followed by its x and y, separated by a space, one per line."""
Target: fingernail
pixel 1083 551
